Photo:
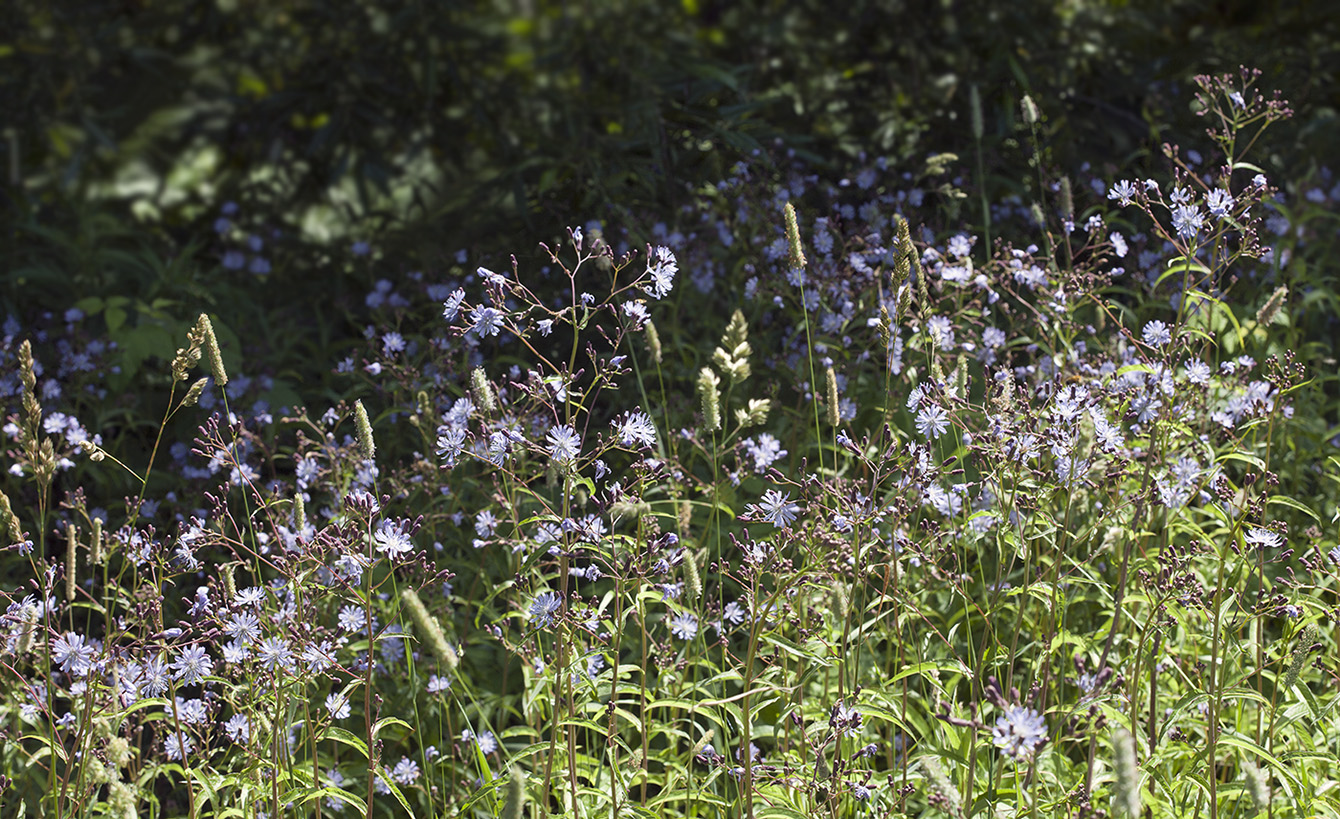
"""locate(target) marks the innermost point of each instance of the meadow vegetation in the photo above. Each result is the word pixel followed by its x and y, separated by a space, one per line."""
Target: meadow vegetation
pixel 846 489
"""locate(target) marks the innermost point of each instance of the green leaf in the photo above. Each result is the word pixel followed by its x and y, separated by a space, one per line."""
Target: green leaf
pixel 301 796
pixel 1284 500
pixel 385 721
pixel 1244 457
pixel 115 318
pixel 344 737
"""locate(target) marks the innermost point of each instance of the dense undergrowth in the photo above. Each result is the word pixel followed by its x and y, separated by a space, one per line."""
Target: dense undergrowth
pixel 1033 518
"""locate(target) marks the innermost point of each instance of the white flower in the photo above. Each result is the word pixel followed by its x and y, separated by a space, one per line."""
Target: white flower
pixel 393 541
pixel 1263 538
pixel 661 266
pixel 636 430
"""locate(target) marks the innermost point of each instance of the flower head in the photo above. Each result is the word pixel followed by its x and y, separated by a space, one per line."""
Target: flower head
pixel 1263 538
pixel 1019 732
pixel 1156 333
pixel 544 607
pixel 193 665
pixel 1187 221
pixel 775 508
pixel 564 444
pixel 684 625
pixel 661 267
pixel 487 321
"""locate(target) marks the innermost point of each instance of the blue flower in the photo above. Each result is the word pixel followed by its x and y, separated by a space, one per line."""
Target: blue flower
pixel 1263 538
pixel 1187 221
pixel 544 607
pixel 406 771
pixel 337 705
pixel 775 508
pixel 1123 191
pixel 1219 202
pixel 564 444
pixel 932 421
pixel 193 665
pixel 684 626
pixel 452 306
pixel 1156 333
pixel 1019 732
pixel 487 321
pixel 636 430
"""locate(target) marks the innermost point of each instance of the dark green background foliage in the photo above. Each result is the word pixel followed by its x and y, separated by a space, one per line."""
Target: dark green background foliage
pixel 425 128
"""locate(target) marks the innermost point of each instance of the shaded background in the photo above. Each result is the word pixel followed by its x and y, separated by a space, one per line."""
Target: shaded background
pixel 268 161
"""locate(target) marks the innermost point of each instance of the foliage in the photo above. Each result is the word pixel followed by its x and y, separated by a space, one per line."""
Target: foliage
pixel 814 504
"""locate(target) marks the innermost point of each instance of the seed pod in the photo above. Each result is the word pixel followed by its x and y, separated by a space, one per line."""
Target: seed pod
pixel 193 394
pixel 1256 785
pixel 299 512
pixel 1300 655
pixel 831 379
pixel 841 601
pixel 10 520
pixel 711 401
pixel 693 585
pixel 1271 308
pixel 737 331
pixel 95 553
pixel 429 629
pixel 654 342
pixel 229 583
pixel 1030 110
pixel 365 442
pixel 1126 789
pixel 821 769
pixel 793 237
pixel 975 111
pixel 483 391
pixel 27 629
pixel 212 350
pixel 944 790
pixel 71 561
pixel 516 794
